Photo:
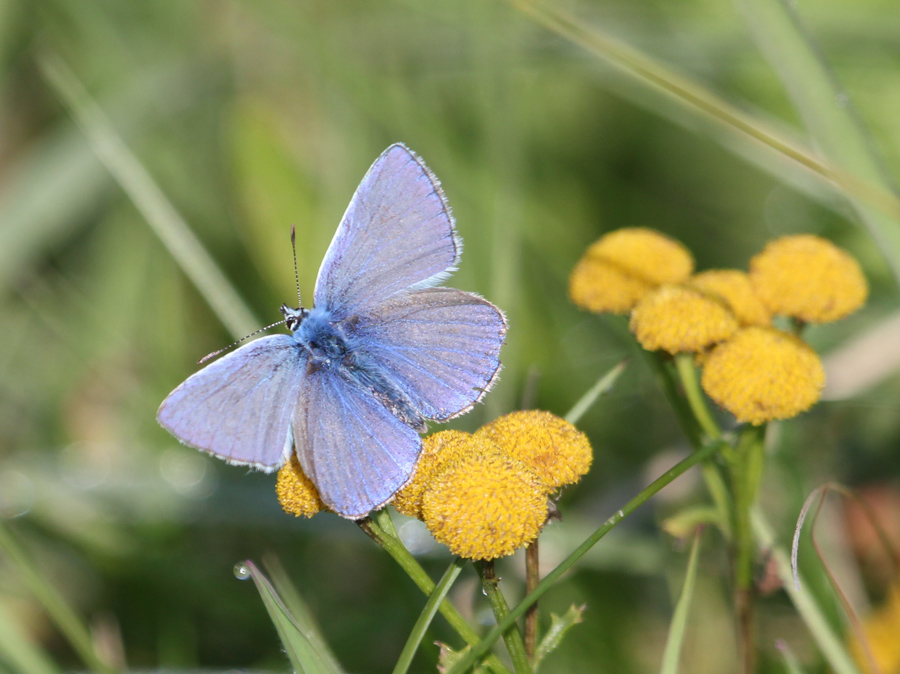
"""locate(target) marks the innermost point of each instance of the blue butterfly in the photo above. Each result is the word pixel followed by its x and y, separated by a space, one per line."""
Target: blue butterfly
pixel 382 352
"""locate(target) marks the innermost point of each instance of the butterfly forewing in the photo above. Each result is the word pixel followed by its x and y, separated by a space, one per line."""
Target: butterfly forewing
pixel 354 450
pixel 239 407
pixel 397 232
pixel 441 345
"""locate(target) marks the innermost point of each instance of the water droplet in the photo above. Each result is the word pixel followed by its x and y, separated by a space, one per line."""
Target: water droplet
pixel 241 571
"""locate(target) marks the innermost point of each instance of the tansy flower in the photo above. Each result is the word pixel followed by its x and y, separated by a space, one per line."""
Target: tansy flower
pixel 552 447
pixel 678 319
pixel 485 505
pixel 808 278
pixel 438 451
pixel 623 266
pixel 733 287
pixel 762 374
pixel 296 492
pixel 880 631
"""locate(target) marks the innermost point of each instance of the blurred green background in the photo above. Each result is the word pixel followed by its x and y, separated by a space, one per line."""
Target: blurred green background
pixel 253 116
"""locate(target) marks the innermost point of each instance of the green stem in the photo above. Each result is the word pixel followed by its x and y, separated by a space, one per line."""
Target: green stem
pixel 532 578
pixel 692 428
pixel 667 382
pixel 746 471
pixel 427 615
pixel 376 526
pixel 550 579
pixel 59 611
pixel 684 363
pixel 511 636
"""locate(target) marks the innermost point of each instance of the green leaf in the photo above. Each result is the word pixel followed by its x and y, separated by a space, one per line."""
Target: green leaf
pixel 300 644
pixel 559 625
pixel 449 657
pixel 687 520
pixel 678 627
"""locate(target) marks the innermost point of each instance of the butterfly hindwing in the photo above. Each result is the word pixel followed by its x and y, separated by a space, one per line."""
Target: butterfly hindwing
pixel 353 449
pixel 397 232
pixel 441 345
pixel 239 407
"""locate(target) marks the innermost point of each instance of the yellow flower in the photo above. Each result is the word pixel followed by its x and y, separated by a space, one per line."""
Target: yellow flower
pixel 762 374
pixel 552 447
pixel 733 287
pixel 623 266
pixel 485 505
pixel 600 286
pixel 679 319
pixel 296 493
pixel 438 451
pixel 809 278
pixel 881 630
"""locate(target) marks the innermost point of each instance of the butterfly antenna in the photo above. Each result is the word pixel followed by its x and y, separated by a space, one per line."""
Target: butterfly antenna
pixel 231 346
pixel 296 273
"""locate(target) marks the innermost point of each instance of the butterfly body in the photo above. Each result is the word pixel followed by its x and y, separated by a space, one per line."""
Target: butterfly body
pixel 336 346
pixel 381 352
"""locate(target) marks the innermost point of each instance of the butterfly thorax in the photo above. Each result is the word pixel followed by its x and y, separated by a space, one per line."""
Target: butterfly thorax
pixel 333 345
pixel 327 341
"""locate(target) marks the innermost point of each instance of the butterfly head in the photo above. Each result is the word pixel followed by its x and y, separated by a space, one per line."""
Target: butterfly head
pixel 293 317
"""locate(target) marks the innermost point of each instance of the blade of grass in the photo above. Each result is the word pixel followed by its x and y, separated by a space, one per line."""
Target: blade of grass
pixel 162 217
pixel 428 612
pixel 678 627
pixel 603 385
pixel 15 649
pixel 65 618
pixel 299 645
pixel 298 610
pixel 696 98
pixel 550 579
pixel 825 107
pixel 831 644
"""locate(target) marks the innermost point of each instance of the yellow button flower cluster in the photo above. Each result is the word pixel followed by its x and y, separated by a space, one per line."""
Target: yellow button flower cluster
pixel 623 266
pixel 484 495
pixel 296 492
pixel 755 371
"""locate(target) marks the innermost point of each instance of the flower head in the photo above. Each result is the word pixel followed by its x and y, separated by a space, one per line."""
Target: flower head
pixel 733 287
pixel 623 266
pixel 296 493
pixel 809 278
pixel 552 447
pixel 438 451
pixel 762 374
pixel 485 505
pixel 678 319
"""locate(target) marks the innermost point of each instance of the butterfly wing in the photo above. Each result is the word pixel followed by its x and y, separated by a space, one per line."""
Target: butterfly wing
pixel 441 345
pixel 353 449
pixel 239 407
pixel 397 232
